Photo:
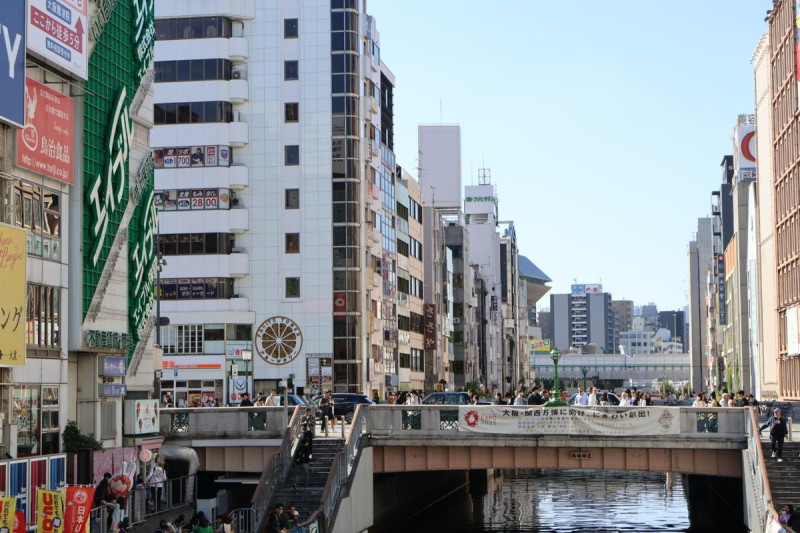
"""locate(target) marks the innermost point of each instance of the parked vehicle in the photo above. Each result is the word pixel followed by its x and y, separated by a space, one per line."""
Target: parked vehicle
pixel 344 404
pixel 446 398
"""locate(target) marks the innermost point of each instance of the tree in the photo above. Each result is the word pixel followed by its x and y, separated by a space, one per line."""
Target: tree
pixel 75 441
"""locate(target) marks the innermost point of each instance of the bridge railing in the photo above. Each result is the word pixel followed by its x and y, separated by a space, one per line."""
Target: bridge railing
pixel 343 467
pixel 276 470
pixel 222 422
pixel 756 474
pixel 442 421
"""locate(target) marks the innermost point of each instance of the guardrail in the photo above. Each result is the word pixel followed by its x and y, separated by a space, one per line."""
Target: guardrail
pixel 441 422
pixel 756 472
pixel 277 468
pixel 183 423
pixel 142 503
pixel 342 468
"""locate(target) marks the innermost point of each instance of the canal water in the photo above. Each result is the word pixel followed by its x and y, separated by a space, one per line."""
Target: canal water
pixel 560 501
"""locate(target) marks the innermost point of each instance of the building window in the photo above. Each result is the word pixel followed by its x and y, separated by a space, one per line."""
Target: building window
pixel 290 28
pixel 291 70
pixel 192 70
pixel 417 360
pixel 186 339
pixel 291 112
pixel 293 287
pixel 193 28
pixel 292 199
pixel 292 243
pixel 195 243
pixel 43 327
pixel 192 113
pixel 292 155
pixel 35 209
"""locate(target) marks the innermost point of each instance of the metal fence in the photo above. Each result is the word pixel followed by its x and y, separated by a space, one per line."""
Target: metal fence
pixel 142 503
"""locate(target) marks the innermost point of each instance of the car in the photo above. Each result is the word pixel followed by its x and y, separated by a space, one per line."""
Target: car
pixel 447 398
pixel 294 399
pixel 613 399
pixel 344 404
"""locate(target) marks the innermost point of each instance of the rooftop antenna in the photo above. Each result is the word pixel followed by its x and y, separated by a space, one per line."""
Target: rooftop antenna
pixel 484 176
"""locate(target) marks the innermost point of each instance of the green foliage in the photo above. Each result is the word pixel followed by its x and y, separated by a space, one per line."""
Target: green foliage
pixel 75 441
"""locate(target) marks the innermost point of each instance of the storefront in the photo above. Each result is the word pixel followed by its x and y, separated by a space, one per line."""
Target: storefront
pixel 193 381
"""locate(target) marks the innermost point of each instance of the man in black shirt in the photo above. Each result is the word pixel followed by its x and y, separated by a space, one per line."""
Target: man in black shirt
pixel 246 400
pixel 535 398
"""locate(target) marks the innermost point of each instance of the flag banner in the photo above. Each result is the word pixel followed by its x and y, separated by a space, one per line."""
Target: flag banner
pixel 19 522
pixel 7 508
pixel 49 512
pixel 537 420
pixel 78 506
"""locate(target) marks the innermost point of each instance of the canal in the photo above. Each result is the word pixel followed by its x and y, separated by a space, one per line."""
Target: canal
pixel 558 501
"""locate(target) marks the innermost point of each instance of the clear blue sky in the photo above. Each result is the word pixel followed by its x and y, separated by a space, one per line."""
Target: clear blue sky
pixel 603 124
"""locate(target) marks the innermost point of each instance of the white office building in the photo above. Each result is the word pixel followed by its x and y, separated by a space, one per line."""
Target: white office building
pixel 273 133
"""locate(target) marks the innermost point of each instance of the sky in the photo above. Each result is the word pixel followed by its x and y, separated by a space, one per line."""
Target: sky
pixel 603 123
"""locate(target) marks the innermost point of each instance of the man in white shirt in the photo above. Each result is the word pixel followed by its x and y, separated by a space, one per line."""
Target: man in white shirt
pixel 593 396
pixel 581 398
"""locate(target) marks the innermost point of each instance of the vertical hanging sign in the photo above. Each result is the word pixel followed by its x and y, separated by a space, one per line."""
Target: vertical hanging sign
pixel 12 62
pixel 13 304
pixel 57 32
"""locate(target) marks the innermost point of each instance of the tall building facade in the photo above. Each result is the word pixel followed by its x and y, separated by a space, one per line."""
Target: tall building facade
pixel 278 119
pixel 674 322
pixel 624 309
pixel 700 259
pixel 583 317
pixel 785 177
pixel 764 336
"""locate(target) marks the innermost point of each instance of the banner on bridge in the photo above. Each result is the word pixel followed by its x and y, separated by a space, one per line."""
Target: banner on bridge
pixel 537 420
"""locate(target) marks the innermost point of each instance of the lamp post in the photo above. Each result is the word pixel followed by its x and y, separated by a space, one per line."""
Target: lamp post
pixel 584 370
pixel 285 384
pixel 556 400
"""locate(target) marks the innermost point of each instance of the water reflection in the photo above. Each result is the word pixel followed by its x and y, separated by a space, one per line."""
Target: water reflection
pixel 561 501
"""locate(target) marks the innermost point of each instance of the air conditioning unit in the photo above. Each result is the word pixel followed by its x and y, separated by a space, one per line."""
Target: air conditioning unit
pixel 236 250
pixel 236 75
pixel 457 320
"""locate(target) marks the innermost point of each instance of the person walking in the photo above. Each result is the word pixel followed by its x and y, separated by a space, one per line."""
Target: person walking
pixel 156 481
pixel 302 457
pixel 777 432
pixel 326 412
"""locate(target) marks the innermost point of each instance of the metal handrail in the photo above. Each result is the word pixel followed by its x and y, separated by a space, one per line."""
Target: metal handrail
pixel 759 472
pixel 342 467
pixel 277 468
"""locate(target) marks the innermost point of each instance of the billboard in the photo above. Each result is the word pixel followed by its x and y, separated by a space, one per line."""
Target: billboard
pixel 13 307
pixel 45 144
pixel 141 417
pixel 540 345
pixel 580 290
pixel 12 63
pixel 744 159
pixel 58 32
pixel 430 326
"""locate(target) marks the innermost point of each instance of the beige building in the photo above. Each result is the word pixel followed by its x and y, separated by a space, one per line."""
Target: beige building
pixel 764 318
pixel 410 274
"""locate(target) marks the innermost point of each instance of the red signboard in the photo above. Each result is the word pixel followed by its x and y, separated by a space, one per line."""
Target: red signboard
pixel 430 326
pixel 79 505
pixel 45 144
pixel 339 302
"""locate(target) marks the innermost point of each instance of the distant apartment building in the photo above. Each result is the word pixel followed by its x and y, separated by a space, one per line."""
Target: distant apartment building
pixel 624 309
pixel 582 317
pixel 674 322
pixel 700 262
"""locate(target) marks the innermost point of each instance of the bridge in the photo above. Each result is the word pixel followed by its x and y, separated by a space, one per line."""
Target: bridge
pixel 395 440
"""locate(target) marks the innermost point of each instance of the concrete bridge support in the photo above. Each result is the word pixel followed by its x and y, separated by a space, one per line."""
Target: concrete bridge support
pixel 715 503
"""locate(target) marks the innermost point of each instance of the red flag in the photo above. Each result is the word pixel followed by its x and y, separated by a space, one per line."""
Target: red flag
pixel 79 505
pixel 19 522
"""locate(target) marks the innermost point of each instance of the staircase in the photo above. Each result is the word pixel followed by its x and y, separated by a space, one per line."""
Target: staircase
pixel 783 476
pixel 293 490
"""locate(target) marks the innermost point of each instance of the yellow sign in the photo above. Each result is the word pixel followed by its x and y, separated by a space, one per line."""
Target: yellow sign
pixel 540 345
pixel 49 512
pixel 7 508
pixel 14 287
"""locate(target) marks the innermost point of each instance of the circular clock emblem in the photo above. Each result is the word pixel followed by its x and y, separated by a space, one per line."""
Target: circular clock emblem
pixel 278 340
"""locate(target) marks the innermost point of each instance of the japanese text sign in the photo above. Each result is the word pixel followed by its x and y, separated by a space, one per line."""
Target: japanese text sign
pixel 45 144
pixel 79 505
pixel 539 420
pixel 7 508
pixel 57 32
pixel 430 326
pixel 12 306
pixel 49 512
pixel 12 62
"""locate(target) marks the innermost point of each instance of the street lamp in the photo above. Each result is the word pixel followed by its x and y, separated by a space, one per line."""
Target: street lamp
pixel 285 384
pixel 584 370
pixel 555 400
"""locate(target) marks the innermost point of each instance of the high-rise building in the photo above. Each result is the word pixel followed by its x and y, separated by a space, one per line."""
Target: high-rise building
pixel 275 169
pixel 624 309
pixel 700 259
pixel 674 322
pixel 582 317
pixel 764 321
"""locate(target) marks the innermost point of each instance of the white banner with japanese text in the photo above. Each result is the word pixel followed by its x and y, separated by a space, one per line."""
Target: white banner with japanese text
pixel 538 420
